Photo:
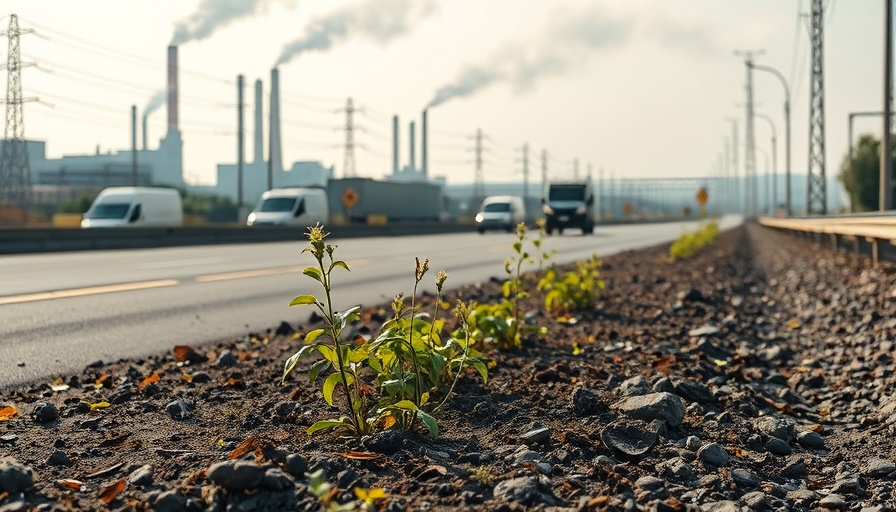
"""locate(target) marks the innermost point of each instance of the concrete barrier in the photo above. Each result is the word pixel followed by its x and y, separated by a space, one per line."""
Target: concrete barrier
pixel 39 240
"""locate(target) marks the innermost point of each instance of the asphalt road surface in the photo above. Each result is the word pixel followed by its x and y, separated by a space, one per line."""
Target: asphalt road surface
pixel 62 311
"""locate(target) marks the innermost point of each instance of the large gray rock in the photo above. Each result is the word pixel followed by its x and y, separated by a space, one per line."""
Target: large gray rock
pixel 654 406
pixel 236 475
pixel 15 477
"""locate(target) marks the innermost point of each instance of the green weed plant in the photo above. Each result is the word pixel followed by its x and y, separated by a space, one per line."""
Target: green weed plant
pixel 690 243
pixel 407 365
pixel 572 291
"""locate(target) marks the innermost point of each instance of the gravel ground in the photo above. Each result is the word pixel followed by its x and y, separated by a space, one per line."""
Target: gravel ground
pixel 756 376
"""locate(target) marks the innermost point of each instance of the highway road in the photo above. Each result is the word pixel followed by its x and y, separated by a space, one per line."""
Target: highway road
pixel 62 311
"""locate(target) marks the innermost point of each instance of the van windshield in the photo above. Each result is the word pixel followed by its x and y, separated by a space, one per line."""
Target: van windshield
pixel 566 193
pixel 277 204
pixel 108 211
pixel 496 207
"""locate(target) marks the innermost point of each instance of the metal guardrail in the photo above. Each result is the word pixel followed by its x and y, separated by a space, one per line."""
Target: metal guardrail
pixel 867 234
pixel 37 240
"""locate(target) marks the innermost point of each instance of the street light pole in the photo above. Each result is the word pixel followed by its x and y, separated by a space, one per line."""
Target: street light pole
pixel 853 199
pixel 786 127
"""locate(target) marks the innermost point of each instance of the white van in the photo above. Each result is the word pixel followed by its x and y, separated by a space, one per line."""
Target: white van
pixel 135 207
pixel 500 212
pixel 290 206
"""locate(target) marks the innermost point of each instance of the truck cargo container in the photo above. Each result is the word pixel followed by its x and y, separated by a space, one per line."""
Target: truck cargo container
pixel 359 198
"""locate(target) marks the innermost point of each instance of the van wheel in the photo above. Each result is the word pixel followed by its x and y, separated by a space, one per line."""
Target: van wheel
pixel 481 231
pixel 549 229
pixel 559 231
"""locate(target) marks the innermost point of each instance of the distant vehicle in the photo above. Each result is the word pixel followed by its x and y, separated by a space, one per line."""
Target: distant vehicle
pixel 135 207
pixel 290 207
pixel 569 204
pixel 500 212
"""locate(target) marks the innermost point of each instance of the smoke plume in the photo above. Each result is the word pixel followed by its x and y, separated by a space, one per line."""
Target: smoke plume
pixel 158 99
pixel 380 20
pixel 570 37
pixel 213 14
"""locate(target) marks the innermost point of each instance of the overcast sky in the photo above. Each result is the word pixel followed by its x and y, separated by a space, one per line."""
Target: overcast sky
pixel 637 88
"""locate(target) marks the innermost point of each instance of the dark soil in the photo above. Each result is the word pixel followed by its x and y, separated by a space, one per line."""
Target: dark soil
pixel 767 363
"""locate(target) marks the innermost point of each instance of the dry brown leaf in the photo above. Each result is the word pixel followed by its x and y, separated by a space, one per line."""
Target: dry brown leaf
pixel 7 413
pixel 181 352
pixel 4 495
pixel 598 501
pixel 72 483
pixel 100 380
pixel 248 446
pixel 664 364
pixel 187 377
pixel 785 408
pixel 362 455
pixel 108 493
pixel 153 377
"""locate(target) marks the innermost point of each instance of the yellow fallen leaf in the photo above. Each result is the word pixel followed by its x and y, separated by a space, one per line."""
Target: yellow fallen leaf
pixel 7 413
pixel 720 362
pixel 576 349
pixel 99 405
pixel 59 385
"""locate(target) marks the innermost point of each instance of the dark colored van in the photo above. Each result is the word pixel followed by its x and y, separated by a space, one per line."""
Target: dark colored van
pixel 569 204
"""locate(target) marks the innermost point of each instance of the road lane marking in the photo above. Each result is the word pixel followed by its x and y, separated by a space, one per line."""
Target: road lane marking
pixel 243 274
pixel 226 276
pixel 178 263
pixel 93 290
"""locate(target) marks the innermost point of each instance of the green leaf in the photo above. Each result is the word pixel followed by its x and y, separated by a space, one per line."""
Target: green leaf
pixel 328 353
pixel 405 405
pixel 313 335
pixel 327 424
pixel 339 263
pixel 348 316
pixel 331 382
pixel 431 424
pixel 303 299
pixel 314 273
pixel 316 368
pixel 290 365
pixel 482 369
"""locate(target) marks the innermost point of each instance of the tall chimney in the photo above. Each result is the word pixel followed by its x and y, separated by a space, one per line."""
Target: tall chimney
pixel 144 132
pixel 423 161
pixel 413 162
pixel 394 144
pixel 172 88
pixel 275 157
pixel 259 122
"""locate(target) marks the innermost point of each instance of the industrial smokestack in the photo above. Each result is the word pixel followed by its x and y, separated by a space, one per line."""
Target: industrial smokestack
pixel 275 157
pixel 144 131
pixel 259 122
pixel 423 162
pixel 394 144
pixel 413 162
pixel 172 88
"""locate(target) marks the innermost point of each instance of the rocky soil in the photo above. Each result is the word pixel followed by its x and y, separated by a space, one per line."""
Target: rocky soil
pixel 756 376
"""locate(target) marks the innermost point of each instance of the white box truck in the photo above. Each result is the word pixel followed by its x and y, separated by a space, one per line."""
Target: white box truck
pixel 135 207
pixel 298 206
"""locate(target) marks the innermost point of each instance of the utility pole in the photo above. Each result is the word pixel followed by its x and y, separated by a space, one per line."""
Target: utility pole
pixel 727 167
pixel 750 157
pixel 525 173
pixel 478 182
pixel 15 170
pixel 734 163
pixel 575 168
pixel 134 145
pixel 886 156
pixel 817 193
pixel 348 166
pixel 600 193
pixel 239 148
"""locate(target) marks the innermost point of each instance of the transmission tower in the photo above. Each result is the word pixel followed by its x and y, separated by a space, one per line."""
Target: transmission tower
pixel 348 167
pixel 478 182
pixel 15 171
pixel 817 193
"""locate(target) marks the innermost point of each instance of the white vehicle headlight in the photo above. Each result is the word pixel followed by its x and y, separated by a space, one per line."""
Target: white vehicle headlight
pixel 251 219
pixel 479 217
pixel 581 210
pixel 548 210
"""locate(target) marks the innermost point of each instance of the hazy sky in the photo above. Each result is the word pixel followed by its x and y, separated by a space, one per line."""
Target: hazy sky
pixel 639 88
